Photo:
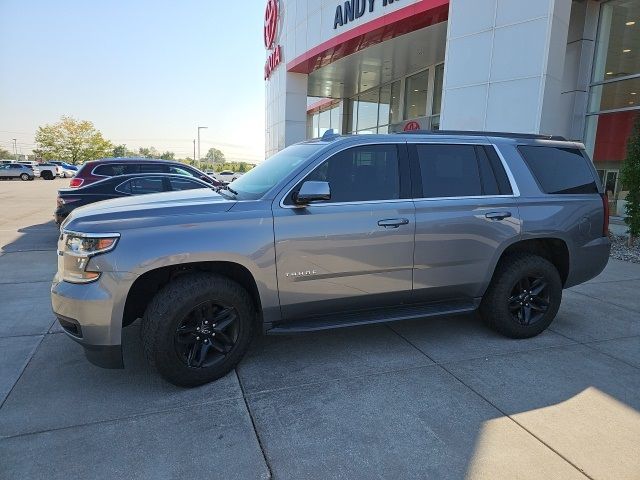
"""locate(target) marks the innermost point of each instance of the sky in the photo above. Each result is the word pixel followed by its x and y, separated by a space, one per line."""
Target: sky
pixel 146 73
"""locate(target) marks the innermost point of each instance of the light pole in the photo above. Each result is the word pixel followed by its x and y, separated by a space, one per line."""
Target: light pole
pixel 199 128
pixel 194 153
pixel 15 149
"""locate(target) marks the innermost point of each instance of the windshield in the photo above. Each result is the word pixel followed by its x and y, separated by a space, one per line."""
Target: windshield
pixel 259 180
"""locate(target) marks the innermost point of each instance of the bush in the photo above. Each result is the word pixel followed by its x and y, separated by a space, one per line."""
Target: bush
pixel 630 176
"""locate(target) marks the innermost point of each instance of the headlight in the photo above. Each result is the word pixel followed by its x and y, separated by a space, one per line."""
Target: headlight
pixel 75 251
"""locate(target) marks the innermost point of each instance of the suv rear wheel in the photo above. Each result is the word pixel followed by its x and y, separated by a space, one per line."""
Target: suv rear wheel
pixel 524 296
pixel 25 177
pixel 197 328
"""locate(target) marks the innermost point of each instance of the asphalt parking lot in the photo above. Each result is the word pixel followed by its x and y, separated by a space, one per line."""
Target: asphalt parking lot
pixel 423 399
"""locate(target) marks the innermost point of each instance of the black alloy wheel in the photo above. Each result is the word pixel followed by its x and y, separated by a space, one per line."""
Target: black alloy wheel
pixel 207 334
pixel 523 297
pixel 529 300
pixel 198 327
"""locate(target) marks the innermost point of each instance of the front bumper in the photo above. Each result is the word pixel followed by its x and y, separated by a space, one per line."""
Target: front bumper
pixel 91 314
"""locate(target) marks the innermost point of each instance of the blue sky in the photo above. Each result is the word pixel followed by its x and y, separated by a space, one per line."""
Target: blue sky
pixel 147 73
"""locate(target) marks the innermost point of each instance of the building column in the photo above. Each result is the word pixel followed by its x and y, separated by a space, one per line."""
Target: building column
pixel 286 100
pixel 504 65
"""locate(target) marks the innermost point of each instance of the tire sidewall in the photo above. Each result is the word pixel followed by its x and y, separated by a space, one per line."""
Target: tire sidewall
pixel 500 315
pixel 168 361
pixel 24 177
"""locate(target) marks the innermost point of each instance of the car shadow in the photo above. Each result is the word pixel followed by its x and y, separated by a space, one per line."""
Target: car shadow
pixel 40 237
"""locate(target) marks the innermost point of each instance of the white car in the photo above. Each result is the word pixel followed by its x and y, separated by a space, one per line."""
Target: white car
pixel 228 176
pixel 49 171
pixel 66 170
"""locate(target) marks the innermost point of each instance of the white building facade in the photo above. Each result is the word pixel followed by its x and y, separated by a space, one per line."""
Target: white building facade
pixel 559 67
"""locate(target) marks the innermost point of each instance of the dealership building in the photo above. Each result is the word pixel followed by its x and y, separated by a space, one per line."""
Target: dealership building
pixel 561 67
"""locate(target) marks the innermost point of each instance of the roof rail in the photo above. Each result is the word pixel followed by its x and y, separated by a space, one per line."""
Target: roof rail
pixel 529 136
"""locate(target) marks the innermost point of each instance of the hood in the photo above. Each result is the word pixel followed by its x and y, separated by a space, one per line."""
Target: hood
pixel 146 210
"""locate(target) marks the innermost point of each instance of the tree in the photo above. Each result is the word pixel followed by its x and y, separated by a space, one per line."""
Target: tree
pixel 120 151
pixel 168 156
pixel 72 141
pixel 214 156
pixel 6 154
pixel 630 176
pixel 150 152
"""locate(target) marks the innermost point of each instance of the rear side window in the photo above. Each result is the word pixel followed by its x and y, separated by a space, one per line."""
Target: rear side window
pixel 114 169
pixel 180 171
pixel 142 186
pixel 560 170
pixel 153 168
pixel 184 184
pixel 449 171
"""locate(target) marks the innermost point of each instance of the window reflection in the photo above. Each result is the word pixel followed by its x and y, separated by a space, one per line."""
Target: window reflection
pixel 368 110
pixel 618 45
pixel 415 95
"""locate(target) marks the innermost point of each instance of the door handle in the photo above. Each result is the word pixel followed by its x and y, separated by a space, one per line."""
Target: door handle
pixel 393 222
pixel 498 215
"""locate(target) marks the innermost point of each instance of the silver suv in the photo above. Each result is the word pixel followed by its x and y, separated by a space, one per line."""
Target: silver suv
pixel 331 233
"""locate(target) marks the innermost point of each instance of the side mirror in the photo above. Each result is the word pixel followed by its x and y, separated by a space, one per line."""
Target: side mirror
pixel 312 192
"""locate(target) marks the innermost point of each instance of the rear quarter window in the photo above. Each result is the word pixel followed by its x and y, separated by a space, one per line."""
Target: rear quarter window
pixel 115 169
pixel 560 170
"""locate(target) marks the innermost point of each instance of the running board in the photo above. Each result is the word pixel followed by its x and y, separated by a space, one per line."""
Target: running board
pixel 369 317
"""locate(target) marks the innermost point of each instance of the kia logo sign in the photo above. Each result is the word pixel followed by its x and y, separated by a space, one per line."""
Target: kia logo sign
pixel 270 23
pixel 411 126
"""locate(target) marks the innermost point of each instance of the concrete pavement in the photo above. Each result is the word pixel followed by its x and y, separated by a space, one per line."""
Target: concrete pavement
pixel 423 399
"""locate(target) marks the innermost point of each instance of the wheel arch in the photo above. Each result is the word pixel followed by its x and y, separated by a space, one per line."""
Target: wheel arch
pixel 149 283
pixel 554 249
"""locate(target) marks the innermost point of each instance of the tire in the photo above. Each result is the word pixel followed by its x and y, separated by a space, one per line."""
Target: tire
pixel 47 175
pixel 510 311
pixel 182 305
pixel 25 177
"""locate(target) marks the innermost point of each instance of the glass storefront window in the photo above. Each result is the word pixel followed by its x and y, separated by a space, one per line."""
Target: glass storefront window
pixel 389 111
pixel 354 115
pixel 618 44
pixel 310 132
pixel 416 94
pixel 380 110
pixel 395 102
pixel 368 110
pixel 335 119
pixel 384 110
pixel 615 95
pixel 324 123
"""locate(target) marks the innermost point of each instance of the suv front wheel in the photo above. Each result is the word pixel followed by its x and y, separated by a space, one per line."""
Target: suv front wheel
pixel 524 296
pixel 197 328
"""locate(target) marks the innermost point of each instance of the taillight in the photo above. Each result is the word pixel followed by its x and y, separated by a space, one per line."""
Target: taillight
pixel 76 182
pixel 605 208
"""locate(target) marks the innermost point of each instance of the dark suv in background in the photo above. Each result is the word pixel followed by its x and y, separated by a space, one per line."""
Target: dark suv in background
pixel 97 170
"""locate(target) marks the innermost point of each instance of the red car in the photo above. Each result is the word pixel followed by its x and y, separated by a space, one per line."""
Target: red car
pixel 97 170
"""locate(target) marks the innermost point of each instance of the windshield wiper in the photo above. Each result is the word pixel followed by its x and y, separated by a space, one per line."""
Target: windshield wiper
pixel 227 187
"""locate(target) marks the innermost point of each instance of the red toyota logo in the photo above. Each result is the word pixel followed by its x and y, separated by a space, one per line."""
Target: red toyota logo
pixel 270 23
pixel 412 125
